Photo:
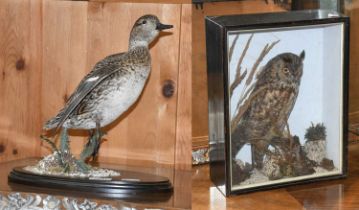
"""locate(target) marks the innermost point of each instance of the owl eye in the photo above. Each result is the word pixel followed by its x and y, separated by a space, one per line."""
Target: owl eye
pixel 144 22
pixel 286 70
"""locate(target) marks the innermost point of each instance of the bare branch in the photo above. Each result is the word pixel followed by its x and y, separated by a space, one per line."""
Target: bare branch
pixel 244 96
pixel 255 65
pixel 241 109
pixel 245 51
pixel 238 78
pixel 264 52
pixel 272 45
pixel 231 49
pixel 237 81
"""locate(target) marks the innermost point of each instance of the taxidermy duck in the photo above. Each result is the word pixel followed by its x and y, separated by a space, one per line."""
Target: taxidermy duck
pixel 112 87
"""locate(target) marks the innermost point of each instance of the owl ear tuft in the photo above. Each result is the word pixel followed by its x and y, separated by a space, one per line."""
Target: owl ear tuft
pixel 302 55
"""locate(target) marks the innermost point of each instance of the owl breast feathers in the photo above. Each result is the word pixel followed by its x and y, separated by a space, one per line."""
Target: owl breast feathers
pixel 270 103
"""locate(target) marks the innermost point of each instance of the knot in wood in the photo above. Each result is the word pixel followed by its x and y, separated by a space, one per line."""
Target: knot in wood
pixel 20 64
pixel 2 148
pixel 168 89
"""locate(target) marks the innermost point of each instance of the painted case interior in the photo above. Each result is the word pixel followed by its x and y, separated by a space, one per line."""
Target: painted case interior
pixel 315 120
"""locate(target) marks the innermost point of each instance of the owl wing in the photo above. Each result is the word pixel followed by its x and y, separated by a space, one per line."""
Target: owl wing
pixel 293 99
pixel 289 108
pixel 100 71
pixel 256 92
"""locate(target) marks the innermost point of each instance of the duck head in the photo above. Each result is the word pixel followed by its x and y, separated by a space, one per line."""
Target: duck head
pixel 145 30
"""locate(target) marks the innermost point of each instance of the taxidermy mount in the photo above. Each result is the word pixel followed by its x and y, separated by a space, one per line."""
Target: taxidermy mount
pixel 103 95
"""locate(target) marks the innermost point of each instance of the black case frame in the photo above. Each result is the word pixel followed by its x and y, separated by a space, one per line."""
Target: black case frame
pixel 217 28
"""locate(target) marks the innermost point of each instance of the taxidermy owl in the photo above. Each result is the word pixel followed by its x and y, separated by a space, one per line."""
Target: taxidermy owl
pixel 269 105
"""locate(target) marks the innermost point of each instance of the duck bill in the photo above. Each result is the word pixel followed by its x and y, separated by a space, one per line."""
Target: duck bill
pixel 161 26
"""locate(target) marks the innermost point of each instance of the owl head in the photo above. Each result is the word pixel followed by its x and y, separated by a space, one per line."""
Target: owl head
pixel 285 69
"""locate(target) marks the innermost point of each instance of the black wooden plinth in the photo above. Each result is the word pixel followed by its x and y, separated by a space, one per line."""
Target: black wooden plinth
pixel 128 185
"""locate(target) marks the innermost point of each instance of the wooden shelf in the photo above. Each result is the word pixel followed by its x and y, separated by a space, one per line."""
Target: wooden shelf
pixel 352 10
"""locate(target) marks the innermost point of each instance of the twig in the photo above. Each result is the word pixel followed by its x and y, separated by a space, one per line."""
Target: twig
pixel 245 96
pixel 272 45
pixel 264 52
pixel 231 49
pixel 255 65
pixel 250 77
pixel 245 51
pixel 238 77
pixel 245 93
pixel 237 81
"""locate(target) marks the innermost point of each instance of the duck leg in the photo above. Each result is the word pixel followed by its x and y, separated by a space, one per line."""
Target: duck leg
pixel 98 136
pixel 64 149
pixel 64 144
pixel 93 144
pixel 86 152
pixel 89 147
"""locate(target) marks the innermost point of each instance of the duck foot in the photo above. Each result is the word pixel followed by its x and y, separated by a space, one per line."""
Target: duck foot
pixel 93 145
pixel 84 168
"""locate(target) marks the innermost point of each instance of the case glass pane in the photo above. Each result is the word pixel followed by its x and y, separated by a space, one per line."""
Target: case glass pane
pixel 285 93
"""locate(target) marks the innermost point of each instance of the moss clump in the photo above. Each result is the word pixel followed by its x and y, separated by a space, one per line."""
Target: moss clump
pixel 316 132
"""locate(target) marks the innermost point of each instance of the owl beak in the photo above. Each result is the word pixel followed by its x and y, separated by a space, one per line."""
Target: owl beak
pixel 161 26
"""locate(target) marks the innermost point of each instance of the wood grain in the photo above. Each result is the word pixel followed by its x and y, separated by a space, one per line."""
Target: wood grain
pixel 72 37
pixel 64 60
pixel 199 75
pixel 148 1
pixel 352 10
pixel 199 142
pixel 184 111
pixel 20 62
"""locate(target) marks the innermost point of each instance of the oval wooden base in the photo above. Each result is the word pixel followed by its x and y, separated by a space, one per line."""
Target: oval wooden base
pixel 128 185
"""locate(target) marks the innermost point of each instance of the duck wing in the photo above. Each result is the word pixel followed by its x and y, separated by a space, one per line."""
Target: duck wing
pixel 100 71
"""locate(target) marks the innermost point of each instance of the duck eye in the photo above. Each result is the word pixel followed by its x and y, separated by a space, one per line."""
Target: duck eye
pixel 144 22
pixel 285 70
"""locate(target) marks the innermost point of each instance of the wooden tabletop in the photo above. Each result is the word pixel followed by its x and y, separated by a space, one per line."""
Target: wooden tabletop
pixel 149 1
pixel 336 194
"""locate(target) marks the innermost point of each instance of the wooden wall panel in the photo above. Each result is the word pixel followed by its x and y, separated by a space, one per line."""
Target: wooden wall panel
pixel 69 37
pixel 352 10
pixel 20 76
pixel 64 58
pixel 148 1
pixel 199 75
pixel 184 112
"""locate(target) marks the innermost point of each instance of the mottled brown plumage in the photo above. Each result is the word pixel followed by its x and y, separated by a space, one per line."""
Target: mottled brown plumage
pixel 269 105
pixel 114 84
pixel 118 78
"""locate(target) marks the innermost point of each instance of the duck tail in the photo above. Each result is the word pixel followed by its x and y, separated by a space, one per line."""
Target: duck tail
pixel 51 124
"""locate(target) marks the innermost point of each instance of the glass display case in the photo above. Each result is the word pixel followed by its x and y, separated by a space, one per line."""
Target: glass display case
pixel 277 98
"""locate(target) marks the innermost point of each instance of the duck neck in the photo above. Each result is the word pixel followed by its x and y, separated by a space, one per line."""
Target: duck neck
pixel 140 52
pixel 137 44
